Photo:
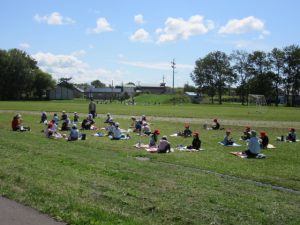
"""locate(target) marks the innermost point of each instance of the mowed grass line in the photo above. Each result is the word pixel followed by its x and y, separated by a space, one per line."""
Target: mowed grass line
pixel 98 181
pixel 186 111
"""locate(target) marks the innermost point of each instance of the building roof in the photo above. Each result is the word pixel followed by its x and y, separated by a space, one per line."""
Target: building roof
pixel 104 90
pixel 191 94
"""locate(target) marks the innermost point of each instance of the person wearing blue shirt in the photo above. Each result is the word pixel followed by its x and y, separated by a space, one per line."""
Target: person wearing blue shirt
pixel 253 145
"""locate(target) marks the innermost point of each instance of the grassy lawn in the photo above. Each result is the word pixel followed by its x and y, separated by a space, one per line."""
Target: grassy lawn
pixel 99 181
pixel 228 111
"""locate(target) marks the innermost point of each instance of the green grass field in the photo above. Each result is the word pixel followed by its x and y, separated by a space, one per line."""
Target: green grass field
pixel 99 181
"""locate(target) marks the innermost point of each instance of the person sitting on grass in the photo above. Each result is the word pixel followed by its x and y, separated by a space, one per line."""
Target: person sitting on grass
pixel 48 131
pixel 51 130
pixel 146 128
pixel 228 139
pixel 44 118
pixel 164 146
pixel 74 133
pixel 117 133
pixel 196 143
pixel 246 134
pixel 153 138
pixel 108 118
pixel 75 118
pixel 216 125
pixel 88 123
pixel 292 135
pixel 263 139
pixel 55 118
pixel 253 145
pixel 16 124
pixel 110 127
pixel 138 126
pixel 65 121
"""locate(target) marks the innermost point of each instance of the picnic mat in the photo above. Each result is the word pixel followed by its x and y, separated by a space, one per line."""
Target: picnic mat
pixel 137 145
pixel 244 156
pixel 185 149
pixel 233 145
pixel 99 134
pixel 270 146
pixel 154 150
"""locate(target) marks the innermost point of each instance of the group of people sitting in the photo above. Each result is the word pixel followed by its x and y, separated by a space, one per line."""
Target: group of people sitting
pixel 254 143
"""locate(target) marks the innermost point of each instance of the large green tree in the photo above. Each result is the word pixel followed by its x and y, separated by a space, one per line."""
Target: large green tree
pixel 42 82
pixel 18 75
pixel 241 69
pixel 292 72
pixel 98 84
pixel 261 78
pixel 276 58
pixel 213 73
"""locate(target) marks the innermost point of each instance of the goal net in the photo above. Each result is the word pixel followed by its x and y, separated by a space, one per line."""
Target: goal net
pixel 258 102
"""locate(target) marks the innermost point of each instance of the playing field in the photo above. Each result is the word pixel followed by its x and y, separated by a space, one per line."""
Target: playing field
pixel 99 181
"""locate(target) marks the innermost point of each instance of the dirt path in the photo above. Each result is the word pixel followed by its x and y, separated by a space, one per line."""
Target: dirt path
pixel 198 121
pixel 13 213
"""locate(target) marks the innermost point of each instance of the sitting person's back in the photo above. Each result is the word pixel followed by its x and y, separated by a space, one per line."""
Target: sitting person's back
pixel 291 135
pixel 228 139
pixel 74 133
pixel 196 143
pixel 253 145
pixel 164 145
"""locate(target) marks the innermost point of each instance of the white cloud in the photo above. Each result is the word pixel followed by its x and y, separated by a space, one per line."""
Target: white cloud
pixel 178 28
pixel 24 45
pixel 70 66
pixel 244 25
pixel 139 19
pixel 156 66
pixel 140 35
pixel 54 18
pixel 102 25
pixel 78 53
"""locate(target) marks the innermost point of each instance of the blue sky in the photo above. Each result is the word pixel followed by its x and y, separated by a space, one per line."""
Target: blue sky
pixel 135 41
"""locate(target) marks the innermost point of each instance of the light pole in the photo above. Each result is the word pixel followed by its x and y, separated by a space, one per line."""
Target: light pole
pixel 173 65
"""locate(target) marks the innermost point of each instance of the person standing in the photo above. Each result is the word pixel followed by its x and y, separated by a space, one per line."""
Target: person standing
pixel 92 108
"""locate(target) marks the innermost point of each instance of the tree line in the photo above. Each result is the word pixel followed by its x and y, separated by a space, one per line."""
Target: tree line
pixel 271 74
pixel 21 78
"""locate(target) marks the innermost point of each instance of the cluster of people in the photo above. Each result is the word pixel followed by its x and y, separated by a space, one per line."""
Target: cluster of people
pixel 142 126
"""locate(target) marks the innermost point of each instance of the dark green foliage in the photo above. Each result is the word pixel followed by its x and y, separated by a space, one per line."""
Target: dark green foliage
pixel 269 74
pixel 20 76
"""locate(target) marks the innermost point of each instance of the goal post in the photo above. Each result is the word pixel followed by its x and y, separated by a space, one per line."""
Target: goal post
pixel 257 101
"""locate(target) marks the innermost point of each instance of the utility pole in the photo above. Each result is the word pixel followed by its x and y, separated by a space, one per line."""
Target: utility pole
pixel 173 65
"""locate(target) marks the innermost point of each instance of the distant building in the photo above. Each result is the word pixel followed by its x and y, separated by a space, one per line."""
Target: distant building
pixel 103 93
pixel 65 91
pixel 152 88
pixel 60 92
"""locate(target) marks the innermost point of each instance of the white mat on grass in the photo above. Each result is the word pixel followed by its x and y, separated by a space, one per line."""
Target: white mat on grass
pixel 233 145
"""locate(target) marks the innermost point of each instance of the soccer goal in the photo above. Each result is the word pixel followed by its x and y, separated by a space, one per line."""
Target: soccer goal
pixel 257 101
